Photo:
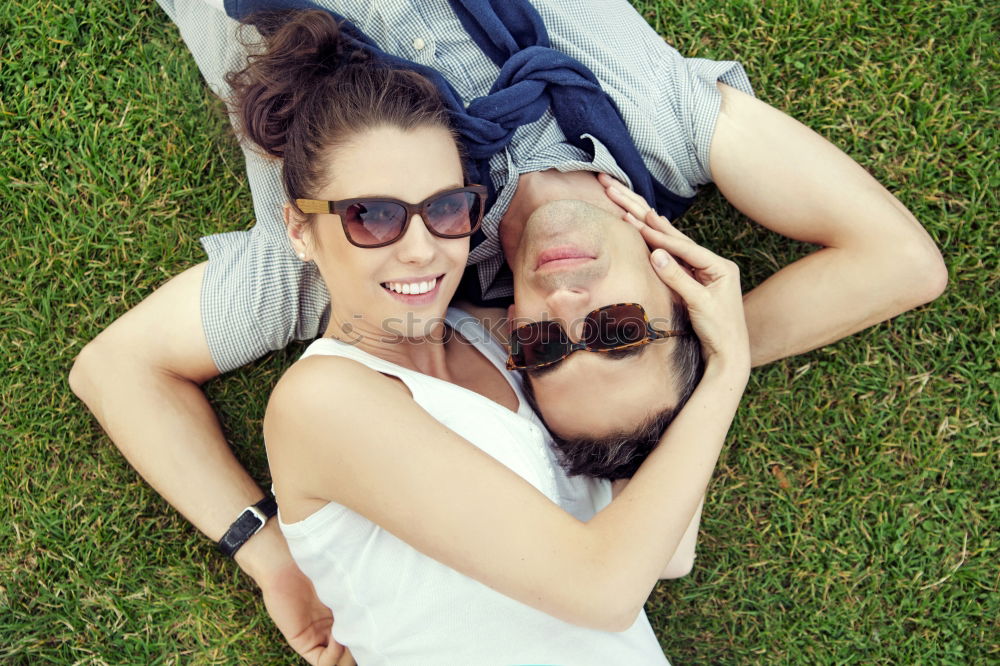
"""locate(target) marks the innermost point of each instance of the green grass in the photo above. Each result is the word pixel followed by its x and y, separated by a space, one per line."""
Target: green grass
pixel 852 518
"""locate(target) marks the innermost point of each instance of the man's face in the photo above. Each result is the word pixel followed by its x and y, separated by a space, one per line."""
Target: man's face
pixel 573 257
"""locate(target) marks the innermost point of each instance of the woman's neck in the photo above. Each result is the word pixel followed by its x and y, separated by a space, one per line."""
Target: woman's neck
pixel 427 354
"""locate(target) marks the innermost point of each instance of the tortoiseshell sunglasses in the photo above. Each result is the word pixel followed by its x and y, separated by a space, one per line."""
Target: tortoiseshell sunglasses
pixel 606 329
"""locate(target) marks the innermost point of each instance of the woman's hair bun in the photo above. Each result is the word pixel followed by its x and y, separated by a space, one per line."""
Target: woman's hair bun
pixel 307 88
pixel 297 51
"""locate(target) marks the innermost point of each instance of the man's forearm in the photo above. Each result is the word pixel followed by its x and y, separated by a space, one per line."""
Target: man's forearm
pixel 141 379
pixel 826 296
pixel 876 262
pixel 166 429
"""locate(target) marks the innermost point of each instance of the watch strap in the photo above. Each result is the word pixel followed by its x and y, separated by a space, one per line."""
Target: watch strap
pixel 249 522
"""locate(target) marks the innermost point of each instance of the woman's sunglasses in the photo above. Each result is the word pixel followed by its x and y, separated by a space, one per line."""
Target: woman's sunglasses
pixel 606 329
pixel 379 221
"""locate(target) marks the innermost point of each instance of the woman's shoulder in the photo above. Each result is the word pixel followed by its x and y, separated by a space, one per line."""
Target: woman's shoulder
pixel 317 413
pixel 325 389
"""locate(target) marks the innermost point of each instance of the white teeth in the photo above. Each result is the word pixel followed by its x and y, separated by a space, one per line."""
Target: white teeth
pixel 411 288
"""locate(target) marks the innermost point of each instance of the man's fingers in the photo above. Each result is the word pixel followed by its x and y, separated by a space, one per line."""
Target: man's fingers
pixel 318 650
pixel 333 654
pixel 347 659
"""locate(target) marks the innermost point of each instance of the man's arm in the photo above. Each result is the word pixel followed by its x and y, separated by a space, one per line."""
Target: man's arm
pixel 141 378
pixel 876 259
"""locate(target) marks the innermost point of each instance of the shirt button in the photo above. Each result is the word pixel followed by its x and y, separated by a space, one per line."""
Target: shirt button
pixel 418 44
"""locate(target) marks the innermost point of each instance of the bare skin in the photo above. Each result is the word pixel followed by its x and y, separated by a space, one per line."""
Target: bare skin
pixel 596 574
pixel 157 355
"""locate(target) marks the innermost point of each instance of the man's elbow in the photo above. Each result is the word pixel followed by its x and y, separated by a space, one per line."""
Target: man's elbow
pixel 109 356
pixel 86 368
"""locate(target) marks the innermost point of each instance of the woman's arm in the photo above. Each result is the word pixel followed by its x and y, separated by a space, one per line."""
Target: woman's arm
pixel 682 561
pixel 390 461
pixel 337 431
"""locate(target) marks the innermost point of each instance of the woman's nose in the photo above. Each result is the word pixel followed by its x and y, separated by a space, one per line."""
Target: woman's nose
pixel 418 245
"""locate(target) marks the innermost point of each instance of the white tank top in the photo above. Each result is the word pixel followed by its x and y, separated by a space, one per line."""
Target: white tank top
pixel 393 605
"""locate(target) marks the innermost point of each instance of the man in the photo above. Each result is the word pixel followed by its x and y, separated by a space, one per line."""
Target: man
pixel 693 121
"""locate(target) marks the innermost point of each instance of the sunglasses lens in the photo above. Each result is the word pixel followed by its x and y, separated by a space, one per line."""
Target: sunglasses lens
pixel 615 327
pixel 374 222
pixel 453 214
pixel 539 343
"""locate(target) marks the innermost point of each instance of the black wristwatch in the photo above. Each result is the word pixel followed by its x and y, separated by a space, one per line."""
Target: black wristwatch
pixel 249 523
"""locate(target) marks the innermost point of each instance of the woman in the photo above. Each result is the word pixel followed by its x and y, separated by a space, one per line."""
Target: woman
pixel 416 488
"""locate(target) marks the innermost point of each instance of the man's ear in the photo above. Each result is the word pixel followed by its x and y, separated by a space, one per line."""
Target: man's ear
pixel 297 231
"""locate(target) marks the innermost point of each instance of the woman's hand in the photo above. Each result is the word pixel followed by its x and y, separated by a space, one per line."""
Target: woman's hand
pixel 710 288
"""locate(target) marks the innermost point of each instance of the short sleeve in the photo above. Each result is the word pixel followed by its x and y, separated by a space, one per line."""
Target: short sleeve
pixel 669 103
pixel 688 105
pixel 256 295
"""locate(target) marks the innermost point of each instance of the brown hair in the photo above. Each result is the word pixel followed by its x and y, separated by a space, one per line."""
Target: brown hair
pixel 309 90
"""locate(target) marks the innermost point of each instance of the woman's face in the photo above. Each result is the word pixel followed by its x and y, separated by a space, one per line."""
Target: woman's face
pixel 368 285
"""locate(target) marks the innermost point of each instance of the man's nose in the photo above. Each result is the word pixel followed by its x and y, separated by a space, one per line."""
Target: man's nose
pixel 569 306
pixel 418 245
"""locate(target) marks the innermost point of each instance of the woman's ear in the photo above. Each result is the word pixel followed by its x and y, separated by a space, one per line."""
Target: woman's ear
pixel 298 232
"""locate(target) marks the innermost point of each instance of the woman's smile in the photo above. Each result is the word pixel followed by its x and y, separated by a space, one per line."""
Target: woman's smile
pixel 415 291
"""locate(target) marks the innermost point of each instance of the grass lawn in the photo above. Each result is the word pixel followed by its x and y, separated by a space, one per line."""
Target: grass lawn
pixel 853 515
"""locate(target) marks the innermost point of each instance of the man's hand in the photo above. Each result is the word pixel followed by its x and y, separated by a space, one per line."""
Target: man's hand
pixel 300 616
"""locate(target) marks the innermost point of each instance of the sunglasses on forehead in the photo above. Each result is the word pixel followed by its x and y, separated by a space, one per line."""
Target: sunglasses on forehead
pixel 606 329
pixel 380 221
